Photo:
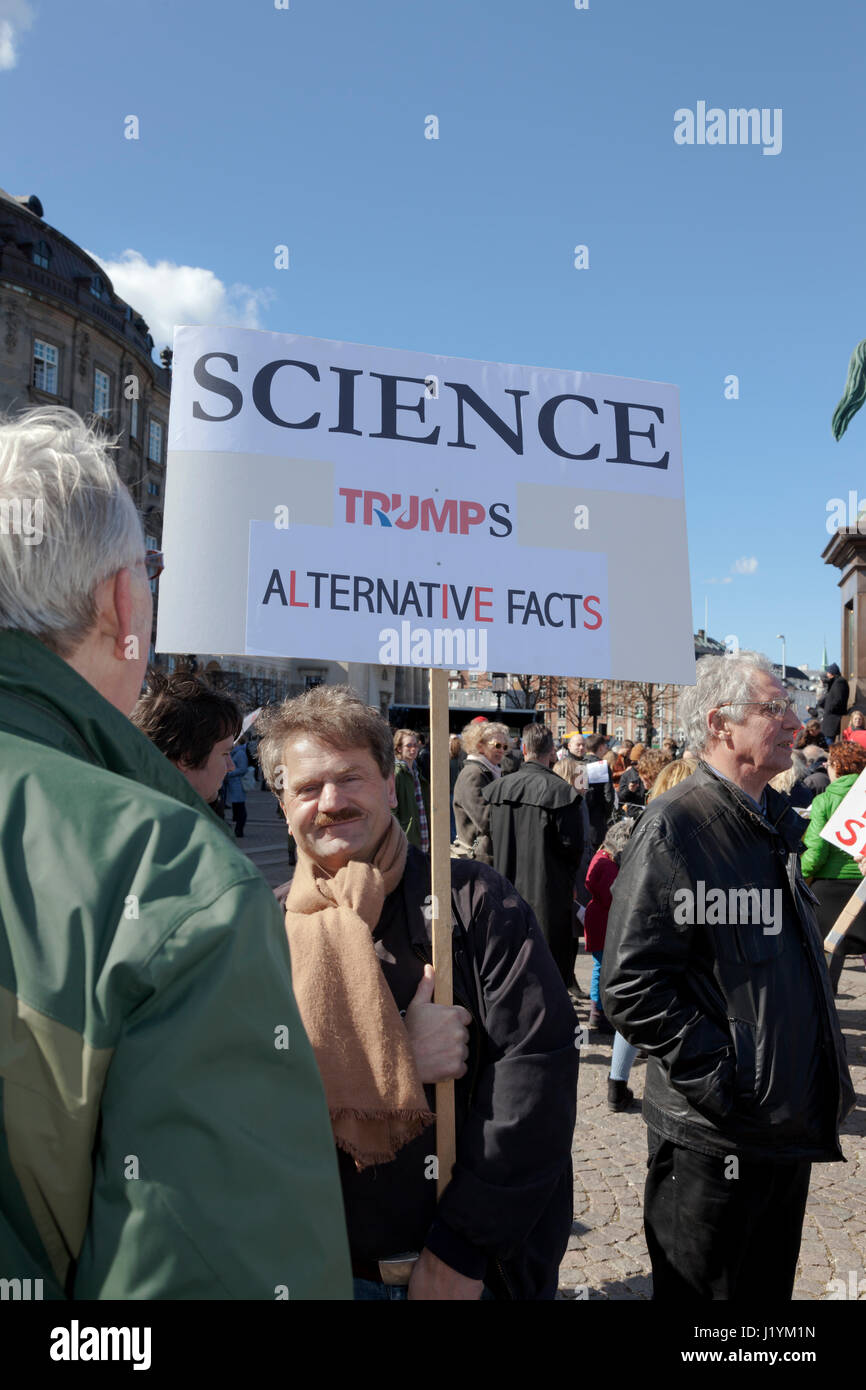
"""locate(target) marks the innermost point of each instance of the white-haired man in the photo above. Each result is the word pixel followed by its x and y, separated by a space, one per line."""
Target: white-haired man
pixel 713 965
pixel 164 1130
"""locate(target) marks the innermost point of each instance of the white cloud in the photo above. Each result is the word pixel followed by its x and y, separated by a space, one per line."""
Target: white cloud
pixel 166 294
pixel 15 17
pixel 747 564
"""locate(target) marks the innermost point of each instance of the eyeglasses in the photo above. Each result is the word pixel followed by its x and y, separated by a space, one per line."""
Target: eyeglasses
pixel 154 563
pixel 503 746
pixel 777 708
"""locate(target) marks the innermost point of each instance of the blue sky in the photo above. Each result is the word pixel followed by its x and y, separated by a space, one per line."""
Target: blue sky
pixel 305 127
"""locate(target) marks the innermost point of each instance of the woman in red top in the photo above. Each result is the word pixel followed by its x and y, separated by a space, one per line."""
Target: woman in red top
pixel 603 869
pixel 856 731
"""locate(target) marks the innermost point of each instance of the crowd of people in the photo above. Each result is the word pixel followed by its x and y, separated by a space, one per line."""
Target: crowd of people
pixel 212 1094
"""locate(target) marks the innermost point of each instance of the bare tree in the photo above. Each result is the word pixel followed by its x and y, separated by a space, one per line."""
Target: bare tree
pixel 530 691
pixel 654 697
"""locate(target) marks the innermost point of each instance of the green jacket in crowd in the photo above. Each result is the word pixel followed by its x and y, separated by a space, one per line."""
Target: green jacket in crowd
pixel 406 809
pixel 163 1128
pixel 821 859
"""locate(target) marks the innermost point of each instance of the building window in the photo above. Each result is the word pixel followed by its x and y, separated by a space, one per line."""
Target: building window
pixel 97 287
pixel 154 441
pixel 151 543
pixel 620 711
pixel 562 690
pixel 639 711
pixel 153 489
pixel 101 393
pixel 560 731
pixel 618 733
pixel 42 254
pixel 45 359
pixel 561 711
pixel 473 677
pixel 133 418
pixel 310 682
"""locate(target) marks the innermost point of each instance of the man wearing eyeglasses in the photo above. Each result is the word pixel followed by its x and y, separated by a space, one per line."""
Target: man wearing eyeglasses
pixel 714 966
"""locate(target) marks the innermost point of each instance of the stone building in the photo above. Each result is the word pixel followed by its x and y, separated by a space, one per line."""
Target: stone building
pixel 67 339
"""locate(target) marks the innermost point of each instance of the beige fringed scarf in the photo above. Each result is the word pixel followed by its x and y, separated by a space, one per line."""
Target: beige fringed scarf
pixel 375 1098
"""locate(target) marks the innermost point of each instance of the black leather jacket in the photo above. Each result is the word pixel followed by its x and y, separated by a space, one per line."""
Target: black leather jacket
pixel 510 1198
pixel 745 1052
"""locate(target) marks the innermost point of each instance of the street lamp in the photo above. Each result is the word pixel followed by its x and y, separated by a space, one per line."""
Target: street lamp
pixel 499 686
pixel 781 637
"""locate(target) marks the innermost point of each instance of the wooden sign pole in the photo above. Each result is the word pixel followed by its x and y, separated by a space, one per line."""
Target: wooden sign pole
pixel 440 859
pixel 852 909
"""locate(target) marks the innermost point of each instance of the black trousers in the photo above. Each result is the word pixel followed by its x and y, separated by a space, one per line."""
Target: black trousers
pixel 833 894
pixel 716 1237
pixel 239 816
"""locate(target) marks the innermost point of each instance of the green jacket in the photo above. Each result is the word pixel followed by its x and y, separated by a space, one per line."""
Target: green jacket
pixel 821 859
pixel 406 809
pixel 158 1138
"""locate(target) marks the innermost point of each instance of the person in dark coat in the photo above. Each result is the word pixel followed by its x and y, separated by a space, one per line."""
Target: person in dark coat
pixel 814 776
pixel 599 796
pixel 485 743
pixel 512 758
pixel 536 828
pixel 833 703
pixel 503 1220
pixel 714 966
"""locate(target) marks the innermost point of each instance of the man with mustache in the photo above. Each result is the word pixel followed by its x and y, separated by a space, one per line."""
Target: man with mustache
pixel 358 922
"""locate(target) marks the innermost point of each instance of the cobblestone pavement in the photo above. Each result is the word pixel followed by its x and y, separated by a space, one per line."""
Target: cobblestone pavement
pixel 607 1253
pixel 265 837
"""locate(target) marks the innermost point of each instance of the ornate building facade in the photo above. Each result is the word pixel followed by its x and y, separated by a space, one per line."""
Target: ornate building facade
pixel 66 338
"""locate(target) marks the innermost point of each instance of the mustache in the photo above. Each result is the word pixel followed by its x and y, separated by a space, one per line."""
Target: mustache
pixel 324 818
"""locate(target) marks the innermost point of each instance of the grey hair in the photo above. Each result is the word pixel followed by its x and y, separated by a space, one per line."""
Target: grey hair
pixel 73 524
pixel 721 680
pixel 617 837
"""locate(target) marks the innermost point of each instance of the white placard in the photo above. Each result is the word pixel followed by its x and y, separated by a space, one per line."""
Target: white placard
pixel 597 772
pixel 846 828
pixel 357 503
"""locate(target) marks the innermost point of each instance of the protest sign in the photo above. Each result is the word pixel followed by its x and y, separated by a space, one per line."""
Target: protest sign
pixel 369 504
pixel 366 504
pixel 846 828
